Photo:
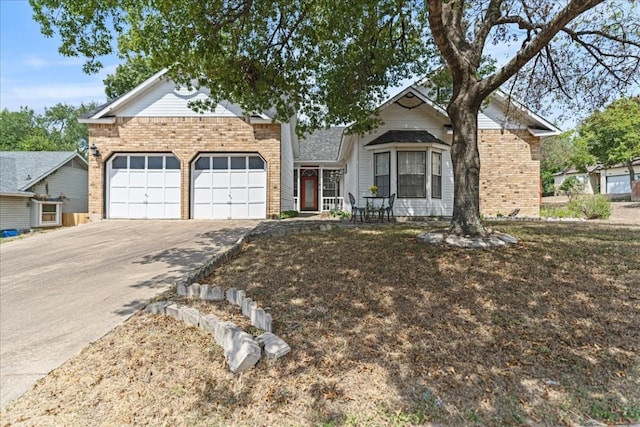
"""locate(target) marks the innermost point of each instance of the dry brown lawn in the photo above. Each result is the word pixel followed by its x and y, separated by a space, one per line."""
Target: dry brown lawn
pixel 384 330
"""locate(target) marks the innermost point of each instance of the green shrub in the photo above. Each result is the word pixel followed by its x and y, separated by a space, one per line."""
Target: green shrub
pixel 548 184
pixel 288 214
pixel 571 187
pixel 341 214
pixel 593 206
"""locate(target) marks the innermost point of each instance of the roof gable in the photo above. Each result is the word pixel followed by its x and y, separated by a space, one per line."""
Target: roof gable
pixel 26 168
pixel 159 96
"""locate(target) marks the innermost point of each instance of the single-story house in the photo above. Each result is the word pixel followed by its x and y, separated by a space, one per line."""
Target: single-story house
pixel 37 187
pixel 615 179
pixel 410 155
pixel 152 156
pixel 598 179
pixel 590 178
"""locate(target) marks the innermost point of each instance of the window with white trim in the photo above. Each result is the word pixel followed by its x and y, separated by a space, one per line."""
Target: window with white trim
pixel 381 173
pixel 436 175
pixel 412 174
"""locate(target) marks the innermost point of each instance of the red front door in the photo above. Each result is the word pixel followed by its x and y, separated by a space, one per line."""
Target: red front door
pixel 309 193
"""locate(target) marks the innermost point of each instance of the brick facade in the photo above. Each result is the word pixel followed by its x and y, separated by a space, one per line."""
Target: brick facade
pixel 185 137
pixel 509 172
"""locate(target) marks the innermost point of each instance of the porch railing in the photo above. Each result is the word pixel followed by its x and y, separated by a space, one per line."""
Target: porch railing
pixel 332 203
pixel 328 203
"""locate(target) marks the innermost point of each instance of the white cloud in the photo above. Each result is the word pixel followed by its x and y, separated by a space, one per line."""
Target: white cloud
pixel 37 97
pixel 34 61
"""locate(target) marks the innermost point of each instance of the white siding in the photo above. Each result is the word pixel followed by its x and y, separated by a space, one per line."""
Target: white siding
pixel 14 213
pixel 164 100
pixel 286 168
pixel 72 182
pixel 360 161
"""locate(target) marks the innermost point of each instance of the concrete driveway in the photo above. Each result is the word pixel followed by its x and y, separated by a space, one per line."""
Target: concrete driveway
pixel 63 289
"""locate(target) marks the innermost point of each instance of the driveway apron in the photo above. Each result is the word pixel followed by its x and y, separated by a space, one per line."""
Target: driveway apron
pixel 64 289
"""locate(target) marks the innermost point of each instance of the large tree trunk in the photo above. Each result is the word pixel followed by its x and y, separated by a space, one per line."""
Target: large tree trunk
pixel 632 174
pixel 463 112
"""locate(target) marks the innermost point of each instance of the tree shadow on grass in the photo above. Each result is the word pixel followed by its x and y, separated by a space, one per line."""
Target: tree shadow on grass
pixel 451 335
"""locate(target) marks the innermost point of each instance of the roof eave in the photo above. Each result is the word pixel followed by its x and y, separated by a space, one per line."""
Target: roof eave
pixel 102 121
pixel 129 95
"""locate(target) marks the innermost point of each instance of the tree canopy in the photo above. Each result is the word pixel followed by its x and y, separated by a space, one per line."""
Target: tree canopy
pixel 612 135
pixel 127 76
pixel 55 130
pixel 332 61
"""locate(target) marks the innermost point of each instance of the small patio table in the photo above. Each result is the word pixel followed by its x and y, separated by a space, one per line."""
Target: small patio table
pixel 373 208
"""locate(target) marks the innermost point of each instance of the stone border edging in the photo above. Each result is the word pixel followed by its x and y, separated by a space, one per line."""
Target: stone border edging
pixel 241 351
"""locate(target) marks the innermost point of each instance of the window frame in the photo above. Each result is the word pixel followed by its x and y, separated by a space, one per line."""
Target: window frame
pixel 434 175
pixel 388 175
pixel 424 174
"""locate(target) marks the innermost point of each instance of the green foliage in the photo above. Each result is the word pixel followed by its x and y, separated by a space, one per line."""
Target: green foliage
pixel 288 214
pixel 128 75
pixel 613 135
pixel 591 206
pixel 340 214
pixel 548 184
pixel 571 187
pixel 55 130
pixel 558 212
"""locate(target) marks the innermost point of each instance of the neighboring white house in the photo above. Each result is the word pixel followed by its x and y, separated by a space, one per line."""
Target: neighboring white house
pixel 598 179
pixel 37 187
pixel 615 179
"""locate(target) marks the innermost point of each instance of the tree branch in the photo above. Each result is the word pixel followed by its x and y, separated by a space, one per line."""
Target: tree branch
pixel 537 43
pixel 484 28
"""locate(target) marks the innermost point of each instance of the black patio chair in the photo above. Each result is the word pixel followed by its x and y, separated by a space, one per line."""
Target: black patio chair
pixel 388 209
pixel 355 210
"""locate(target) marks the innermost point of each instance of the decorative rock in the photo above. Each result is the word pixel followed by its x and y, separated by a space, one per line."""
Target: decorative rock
pixel 181 289
pixel 495 241
pixel 246 307
pixel 173 311
pixel 240 295
pixel 274 346
pixel 211 293
pixel 157 307
pixel 243 353
pixel 208 322
pixel 231 295
pixel 432 238
pixel 261 320
pixel 507 238
pixel 223 333
pixel 190 316
pixel 193 291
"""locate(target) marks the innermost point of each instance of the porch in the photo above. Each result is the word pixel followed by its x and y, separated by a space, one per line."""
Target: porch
pixel 318 189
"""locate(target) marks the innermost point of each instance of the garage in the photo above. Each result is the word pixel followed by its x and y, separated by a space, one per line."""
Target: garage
pixel 618 184
pixel 143 186
pixel 229 186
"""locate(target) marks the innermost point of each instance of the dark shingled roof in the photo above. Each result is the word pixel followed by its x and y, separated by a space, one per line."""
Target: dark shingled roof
pixel 321 145
pixel 406 136
pixel 22 169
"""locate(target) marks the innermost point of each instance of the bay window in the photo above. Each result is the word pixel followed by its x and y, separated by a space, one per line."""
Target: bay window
pixel 412 173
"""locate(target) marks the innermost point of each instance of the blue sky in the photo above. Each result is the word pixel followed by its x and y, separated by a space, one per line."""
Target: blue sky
pixel 33 73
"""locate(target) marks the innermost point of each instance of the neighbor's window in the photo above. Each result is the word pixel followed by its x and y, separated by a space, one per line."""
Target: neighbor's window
pixel 412 173
pixel 49 213
pixel 381 173
pixel 436 175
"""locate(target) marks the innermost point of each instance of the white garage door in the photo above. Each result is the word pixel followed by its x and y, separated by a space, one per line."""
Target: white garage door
pixel 618 184
pixel 229 186
pixel 143 186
